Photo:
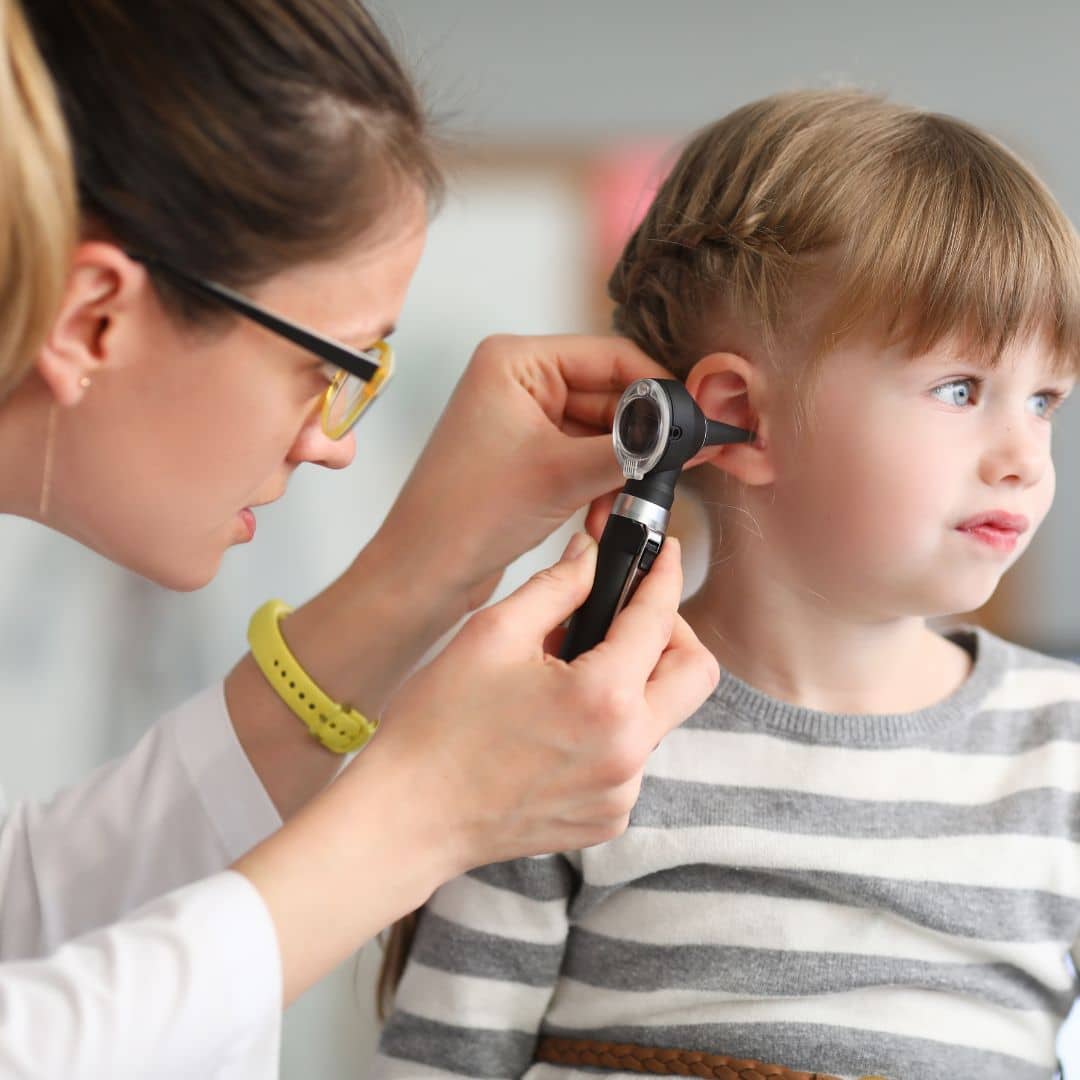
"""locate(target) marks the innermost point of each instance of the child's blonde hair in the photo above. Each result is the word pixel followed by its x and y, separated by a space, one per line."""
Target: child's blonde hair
pixel 915 223
pixel 37 199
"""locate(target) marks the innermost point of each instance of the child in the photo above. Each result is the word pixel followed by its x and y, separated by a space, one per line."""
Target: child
pixel 860 856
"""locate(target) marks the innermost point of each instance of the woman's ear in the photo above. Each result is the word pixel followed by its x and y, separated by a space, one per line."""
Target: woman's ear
pixel 102 284
pixel 728 387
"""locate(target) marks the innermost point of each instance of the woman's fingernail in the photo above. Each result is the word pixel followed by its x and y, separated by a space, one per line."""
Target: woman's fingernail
pixel 579 544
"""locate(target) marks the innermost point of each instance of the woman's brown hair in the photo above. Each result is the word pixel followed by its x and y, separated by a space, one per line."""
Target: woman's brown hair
pixel 37 200
pixel 234 138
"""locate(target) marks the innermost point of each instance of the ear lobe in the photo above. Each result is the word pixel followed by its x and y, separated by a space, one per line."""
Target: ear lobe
pixel 100 284
pixel 729 388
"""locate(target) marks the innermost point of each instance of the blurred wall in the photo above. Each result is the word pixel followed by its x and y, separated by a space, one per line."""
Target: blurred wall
pixel 92 655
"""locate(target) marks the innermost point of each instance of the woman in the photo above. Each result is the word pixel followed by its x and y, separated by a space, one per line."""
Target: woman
pixel 250 171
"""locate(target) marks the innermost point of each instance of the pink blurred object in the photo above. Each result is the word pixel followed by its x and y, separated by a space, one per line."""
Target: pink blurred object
pixel 623 182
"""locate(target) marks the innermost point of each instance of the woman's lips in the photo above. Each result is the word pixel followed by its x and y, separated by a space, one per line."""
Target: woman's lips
pixel 248 518
pixel 997 529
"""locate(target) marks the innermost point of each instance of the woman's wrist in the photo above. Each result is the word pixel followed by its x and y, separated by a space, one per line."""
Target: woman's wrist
pixel 361 636
pixel 451 565
pixel 357 639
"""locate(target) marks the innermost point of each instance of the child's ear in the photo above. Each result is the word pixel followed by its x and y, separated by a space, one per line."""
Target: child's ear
pixel 730 388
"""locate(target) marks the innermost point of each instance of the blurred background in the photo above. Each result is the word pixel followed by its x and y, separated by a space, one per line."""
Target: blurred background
pixel 559 118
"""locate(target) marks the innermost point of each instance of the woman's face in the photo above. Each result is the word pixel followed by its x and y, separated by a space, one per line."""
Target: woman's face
pixel 183 429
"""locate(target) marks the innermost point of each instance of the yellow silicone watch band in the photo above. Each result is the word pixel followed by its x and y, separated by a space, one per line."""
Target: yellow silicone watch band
pixel 338 727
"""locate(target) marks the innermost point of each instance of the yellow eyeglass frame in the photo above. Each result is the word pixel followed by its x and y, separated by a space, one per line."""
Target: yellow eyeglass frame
pixel 371 389
pixel 372 366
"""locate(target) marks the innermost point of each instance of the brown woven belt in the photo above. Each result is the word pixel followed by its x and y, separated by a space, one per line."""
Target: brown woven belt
pixel 626 1057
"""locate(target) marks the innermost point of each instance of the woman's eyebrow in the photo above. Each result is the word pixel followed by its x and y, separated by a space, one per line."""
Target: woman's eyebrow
pixel 365 340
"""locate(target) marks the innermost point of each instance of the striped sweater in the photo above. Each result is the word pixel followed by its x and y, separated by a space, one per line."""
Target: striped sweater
pixel 853 894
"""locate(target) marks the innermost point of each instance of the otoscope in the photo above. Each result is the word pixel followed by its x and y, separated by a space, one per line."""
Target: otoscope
pixel 658 428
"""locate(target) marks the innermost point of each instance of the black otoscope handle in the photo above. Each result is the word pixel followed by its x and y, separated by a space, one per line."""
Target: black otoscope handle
pixel 621 551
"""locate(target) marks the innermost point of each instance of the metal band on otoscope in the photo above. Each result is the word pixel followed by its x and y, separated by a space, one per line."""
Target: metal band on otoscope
pixel 648 513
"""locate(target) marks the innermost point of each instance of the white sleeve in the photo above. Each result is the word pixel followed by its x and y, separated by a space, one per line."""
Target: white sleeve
pixel 188 986
pixel 183 804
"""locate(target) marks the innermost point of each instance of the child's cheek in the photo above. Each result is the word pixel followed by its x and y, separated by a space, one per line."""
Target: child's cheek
pixel 890 494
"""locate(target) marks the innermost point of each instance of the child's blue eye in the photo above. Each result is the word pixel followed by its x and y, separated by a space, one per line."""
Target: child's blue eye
pixel 1046 401
pixel 959 392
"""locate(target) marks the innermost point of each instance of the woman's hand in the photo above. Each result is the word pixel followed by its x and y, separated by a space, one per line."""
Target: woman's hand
pixel 523 443
pixel 525 753
pixel 496 749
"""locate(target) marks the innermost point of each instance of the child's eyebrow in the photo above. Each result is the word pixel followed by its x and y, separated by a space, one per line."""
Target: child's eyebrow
pixel 961 360
pixel 938 359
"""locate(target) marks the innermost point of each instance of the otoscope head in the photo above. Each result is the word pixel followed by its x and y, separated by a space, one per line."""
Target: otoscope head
pixel 659 427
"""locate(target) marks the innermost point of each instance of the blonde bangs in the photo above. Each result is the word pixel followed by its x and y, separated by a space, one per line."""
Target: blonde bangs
pixel 955 238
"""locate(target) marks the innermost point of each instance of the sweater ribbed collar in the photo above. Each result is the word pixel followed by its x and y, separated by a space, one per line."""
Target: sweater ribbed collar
pixel 991 658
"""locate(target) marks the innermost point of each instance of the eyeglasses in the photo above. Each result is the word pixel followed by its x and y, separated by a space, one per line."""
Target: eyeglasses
pixel 359 375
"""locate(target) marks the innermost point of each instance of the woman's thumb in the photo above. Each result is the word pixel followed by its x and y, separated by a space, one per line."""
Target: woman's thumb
pixel 579 543
pixel 551 596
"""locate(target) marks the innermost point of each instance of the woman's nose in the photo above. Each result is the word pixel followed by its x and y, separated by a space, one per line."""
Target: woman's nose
pixel 314 445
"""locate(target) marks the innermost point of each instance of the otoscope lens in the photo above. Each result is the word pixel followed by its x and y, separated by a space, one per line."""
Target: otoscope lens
pixel 639 426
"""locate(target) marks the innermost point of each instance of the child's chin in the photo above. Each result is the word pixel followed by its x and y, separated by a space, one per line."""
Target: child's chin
pixel 959 598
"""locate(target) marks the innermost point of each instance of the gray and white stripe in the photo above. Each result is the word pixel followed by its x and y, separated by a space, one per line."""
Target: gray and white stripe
pixel 892 895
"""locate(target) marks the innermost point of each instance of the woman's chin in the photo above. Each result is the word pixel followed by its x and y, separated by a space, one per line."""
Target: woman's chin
pixel 185 573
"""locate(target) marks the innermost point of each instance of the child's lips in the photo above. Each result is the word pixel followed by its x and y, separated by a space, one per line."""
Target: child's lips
pixel 996 529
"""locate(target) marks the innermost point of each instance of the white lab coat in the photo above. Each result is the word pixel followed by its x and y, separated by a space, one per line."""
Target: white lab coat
pixel 127 950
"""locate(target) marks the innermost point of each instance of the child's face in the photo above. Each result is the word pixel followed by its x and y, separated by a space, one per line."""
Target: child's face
pixel 870 501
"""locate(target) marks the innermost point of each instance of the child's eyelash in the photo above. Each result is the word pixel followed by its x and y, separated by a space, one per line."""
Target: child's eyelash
pixel 1055 398
pixel 972 381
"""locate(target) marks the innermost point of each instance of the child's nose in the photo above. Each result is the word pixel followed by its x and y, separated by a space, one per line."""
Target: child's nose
pixel 1016 455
